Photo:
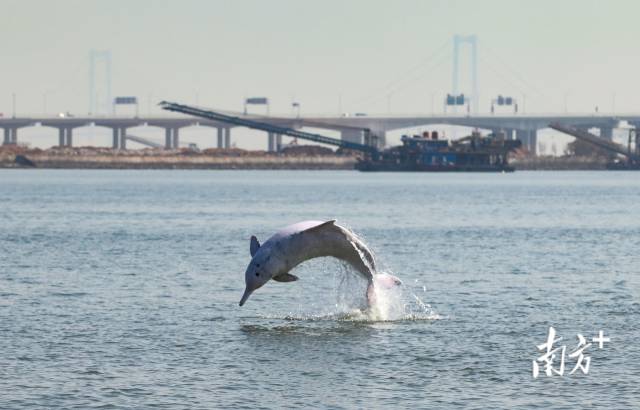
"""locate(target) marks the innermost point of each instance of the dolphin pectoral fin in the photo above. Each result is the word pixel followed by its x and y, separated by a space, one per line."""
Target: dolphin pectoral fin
pixel 285 277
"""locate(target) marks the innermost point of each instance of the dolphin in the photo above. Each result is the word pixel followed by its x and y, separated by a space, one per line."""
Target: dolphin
pixel 306 240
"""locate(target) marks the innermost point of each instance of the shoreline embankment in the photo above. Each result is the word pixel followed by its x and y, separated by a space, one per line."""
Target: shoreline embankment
pixel 313 158
pixel 103 158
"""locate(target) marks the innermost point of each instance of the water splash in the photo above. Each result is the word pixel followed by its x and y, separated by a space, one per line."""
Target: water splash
pixel 397 302
pixel 390 303
pixel 344 300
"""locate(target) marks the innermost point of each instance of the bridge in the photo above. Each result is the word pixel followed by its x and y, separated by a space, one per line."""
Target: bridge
pixel 522 127
pixel 352 129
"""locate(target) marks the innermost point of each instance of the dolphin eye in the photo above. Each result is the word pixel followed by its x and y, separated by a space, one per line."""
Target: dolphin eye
pixel 257 273
pixel 257 265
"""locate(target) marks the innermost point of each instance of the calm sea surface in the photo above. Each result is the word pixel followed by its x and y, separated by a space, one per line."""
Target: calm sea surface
pixel 120 289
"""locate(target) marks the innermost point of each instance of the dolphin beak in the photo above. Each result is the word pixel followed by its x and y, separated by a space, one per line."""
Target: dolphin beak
pixel 246 295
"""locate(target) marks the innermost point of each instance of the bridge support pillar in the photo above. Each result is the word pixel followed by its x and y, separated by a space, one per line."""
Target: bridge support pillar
pixel 381 137
pixel 523 137
pixel 115 144
pixel 220 137
pixel 176 138
pixel 529 140
pixel 271 147
pixel 227 137
pixel 10 136
pixel 278 142
pixel 533 142
pixel 123 138
pixel 69 135
pixel 606 133
pixel 65 137
pixel 351 136
pixel 168 138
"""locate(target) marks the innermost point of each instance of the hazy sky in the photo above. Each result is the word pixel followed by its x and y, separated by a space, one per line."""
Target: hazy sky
pixel 371 55
pixel 331 56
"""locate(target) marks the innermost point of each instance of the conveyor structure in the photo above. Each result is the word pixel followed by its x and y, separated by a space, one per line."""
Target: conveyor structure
pixel 258 125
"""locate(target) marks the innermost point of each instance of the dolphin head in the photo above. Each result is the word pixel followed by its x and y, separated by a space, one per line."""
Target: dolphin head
pixel 259 270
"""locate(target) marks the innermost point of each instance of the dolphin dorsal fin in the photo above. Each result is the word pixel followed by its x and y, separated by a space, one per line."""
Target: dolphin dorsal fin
pixel 254 245
pixel 320 225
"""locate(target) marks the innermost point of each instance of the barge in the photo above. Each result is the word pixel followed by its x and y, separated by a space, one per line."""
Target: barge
pixel 428 153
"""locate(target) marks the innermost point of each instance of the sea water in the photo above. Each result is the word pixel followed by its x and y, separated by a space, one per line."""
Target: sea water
pixel 120 289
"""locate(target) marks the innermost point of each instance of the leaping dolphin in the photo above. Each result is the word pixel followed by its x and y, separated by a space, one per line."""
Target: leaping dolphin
pixel 303 241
